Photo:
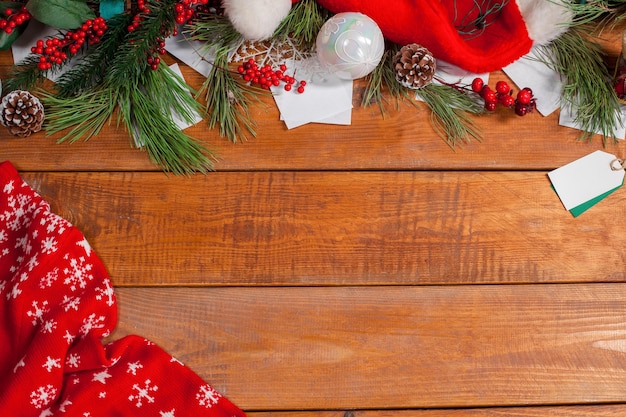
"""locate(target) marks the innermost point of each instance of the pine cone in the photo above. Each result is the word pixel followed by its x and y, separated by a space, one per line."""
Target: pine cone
pixel 414 66
pixel 22 113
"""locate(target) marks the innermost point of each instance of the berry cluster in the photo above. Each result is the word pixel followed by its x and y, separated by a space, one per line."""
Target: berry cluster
pixel 14 19
pixel 523 103
pixel 55 51
pixel 266 77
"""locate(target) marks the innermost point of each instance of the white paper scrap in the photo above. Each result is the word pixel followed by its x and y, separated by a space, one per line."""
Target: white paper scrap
pixel 529 71
pixel 586 178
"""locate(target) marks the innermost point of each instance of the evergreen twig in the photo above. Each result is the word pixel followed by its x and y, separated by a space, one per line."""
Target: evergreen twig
pixel 227 100
pixel 451 112
pixel 303 22
pixel 587 83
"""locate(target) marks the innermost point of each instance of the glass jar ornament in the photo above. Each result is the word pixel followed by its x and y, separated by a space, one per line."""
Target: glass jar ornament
pixel 350 45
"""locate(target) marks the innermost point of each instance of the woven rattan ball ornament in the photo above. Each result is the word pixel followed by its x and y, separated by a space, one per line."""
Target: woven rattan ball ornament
pixel 414 66
pixel 22 113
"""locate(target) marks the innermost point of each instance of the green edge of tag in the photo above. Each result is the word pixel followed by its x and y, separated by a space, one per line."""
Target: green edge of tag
pixel 578 210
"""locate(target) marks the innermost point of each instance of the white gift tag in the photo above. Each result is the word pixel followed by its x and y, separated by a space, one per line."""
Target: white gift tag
pixel 587 178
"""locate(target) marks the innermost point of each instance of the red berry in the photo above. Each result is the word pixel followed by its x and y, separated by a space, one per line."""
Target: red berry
pixel 524 96
pixel 502 87
pixel 303 83
pixel 477 85
pixel 301 89
pixel 490 106
pixel 287 87
pixel 489 95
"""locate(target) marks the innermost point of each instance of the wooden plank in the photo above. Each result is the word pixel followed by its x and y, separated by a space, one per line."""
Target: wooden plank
pixel 402 140
pixel 564 411
pixel 392 347
pixel 334 228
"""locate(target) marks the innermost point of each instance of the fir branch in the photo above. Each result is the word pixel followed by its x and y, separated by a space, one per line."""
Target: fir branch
pixel 227 102
pixel 383 78
pixel 83 115
pixel 130 60
pixel 587 83
pixel 303 22
pixel 91 69
pixel 156 132
pixel 595 15
pixel 25 75
pixel 451 111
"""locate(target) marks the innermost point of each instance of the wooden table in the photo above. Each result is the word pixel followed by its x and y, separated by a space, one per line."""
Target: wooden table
pixel 361 270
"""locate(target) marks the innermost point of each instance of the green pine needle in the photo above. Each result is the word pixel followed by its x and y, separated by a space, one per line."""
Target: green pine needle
pixel 227 100
pixel 303 22
pixel 451 112
pixel 587 83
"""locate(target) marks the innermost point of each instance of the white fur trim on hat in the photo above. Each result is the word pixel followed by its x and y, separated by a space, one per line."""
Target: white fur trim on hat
pixel 256 19
pixel 545 20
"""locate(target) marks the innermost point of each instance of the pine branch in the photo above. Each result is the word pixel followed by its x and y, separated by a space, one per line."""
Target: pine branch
pixel 227 100
pixel 303 22
pixel 587 87
pixel 450 113
pixel 91 69
pixel 596 15
pixel 383 79
pixel 25 75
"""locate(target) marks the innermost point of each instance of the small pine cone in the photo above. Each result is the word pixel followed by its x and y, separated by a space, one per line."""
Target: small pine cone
pixel 22 113
pixel 414 66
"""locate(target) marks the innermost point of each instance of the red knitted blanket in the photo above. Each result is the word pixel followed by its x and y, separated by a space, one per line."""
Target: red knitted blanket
pixel 56 305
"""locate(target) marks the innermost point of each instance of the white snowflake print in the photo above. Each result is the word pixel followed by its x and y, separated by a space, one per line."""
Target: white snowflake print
pixel 143 393
pixel 49 279
pixel 106 292
pixel 49 245
pixel 52 363
pixel 46 413
pixel 16 215
pixel 37 312
pixel 72 360
pixel 101 376
pixel 90 323
pixel 48 326
pixel 69 338
pixel 23 243
pixel 14 292
pixel 133 367
pixel 102 394
pixel 168 413
pixel 63 406
pixel 70 303
pixel 43 396
pixel 54 223
pixel 207 396
pixel 32 262
pixel 79 272
pixel 85 245
pixel 19 365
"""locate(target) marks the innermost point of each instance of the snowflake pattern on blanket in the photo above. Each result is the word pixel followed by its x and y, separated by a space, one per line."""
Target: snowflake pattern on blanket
pixel 56 306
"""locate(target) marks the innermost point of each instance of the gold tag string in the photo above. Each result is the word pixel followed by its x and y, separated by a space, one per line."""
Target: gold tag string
pixel 618 164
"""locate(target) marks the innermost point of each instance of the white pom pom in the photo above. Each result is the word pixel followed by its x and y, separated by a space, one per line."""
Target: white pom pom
pixel 256 19
pixel 545 20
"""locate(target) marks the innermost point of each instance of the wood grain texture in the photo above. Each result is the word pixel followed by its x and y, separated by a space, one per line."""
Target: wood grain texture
pixel 563 411
pixel 402 140
pixel 392 347
pixel 338 228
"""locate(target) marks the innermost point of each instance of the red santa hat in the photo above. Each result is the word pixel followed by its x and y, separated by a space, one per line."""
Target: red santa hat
pixel 477 36
pixel 57 304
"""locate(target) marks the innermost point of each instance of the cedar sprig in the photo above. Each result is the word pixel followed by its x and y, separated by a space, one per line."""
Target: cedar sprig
pixel 303 22
pixel 451 113
pixel 587 83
